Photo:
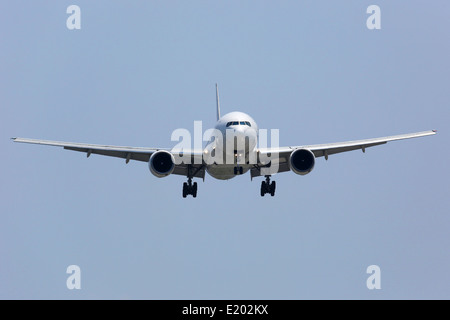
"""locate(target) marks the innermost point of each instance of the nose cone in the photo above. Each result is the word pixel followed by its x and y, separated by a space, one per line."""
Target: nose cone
pixel 239 132
pixel 242 138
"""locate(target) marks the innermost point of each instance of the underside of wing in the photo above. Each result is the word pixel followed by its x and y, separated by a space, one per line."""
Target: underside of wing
pixel 338 147
pixel 282 155
pixel 127 153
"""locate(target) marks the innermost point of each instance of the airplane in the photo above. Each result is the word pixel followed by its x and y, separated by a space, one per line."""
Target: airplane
pixel 242 147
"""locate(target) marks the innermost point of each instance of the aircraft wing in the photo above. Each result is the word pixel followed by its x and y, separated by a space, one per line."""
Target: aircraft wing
pixel 127 153
pixel 327 149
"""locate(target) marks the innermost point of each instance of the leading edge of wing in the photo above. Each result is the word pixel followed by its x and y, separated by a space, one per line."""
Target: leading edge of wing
pixel 76 145
pixel 128 153
pixel 353 143
pixel 370 142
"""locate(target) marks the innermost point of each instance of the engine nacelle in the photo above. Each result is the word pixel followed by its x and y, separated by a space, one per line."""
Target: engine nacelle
pixel 302 161
pixel 161 163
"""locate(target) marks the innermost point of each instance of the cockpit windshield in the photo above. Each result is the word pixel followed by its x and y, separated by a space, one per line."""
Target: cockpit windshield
pixel 236 123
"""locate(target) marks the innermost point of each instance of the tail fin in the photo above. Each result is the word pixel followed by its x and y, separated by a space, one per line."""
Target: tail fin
pixel 217 102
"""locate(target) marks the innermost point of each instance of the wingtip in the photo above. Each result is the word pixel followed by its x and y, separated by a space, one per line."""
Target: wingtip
pixel 435 131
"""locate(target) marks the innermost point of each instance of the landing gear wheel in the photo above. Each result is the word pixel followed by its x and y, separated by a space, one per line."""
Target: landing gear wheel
pixel 189 188
pixel 241 170
pixel 268 187
pixel 184 189
pixel 194 190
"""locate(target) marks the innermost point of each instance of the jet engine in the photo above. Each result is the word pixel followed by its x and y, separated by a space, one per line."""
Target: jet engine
pixel 161 163
pixel 302 161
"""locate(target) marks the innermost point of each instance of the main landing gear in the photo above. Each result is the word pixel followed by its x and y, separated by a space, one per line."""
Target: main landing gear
pixel 189 188
pixel 268 187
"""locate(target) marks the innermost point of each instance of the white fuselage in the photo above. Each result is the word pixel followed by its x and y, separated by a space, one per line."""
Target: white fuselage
pixel 235 148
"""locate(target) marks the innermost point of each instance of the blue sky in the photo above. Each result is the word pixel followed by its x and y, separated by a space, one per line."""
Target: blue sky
pixel 138 70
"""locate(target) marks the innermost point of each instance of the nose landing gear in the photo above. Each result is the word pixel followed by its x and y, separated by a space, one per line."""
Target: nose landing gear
pixel 268 187
pixel 238 160
pixel 238 170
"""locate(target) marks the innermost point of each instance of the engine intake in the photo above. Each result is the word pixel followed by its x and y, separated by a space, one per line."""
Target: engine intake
pixel 161 163
pixel 302 161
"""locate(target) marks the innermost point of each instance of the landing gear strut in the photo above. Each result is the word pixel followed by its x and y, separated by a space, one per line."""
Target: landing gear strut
pixel 189 188
pixel 268 187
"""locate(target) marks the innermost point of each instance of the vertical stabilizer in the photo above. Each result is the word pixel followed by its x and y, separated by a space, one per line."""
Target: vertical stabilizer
pixel 217 102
